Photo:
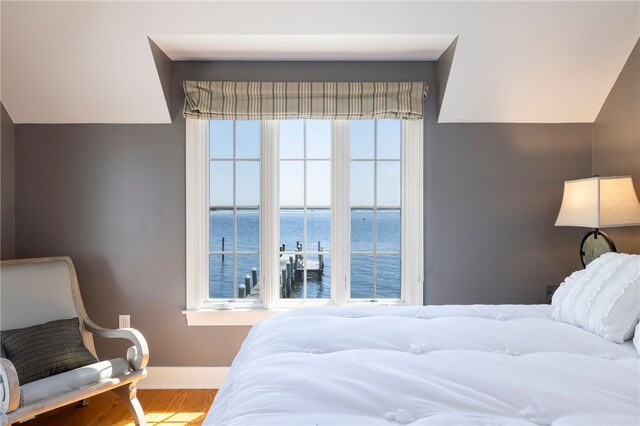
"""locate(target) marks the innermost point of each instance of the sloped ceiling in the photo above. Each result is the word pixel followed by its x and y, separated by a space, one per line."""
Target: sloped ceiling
pixel 91 62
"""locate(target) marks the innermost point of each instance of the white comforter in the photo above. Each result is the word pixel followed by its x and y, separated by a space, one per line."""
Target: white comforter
pixel 432 365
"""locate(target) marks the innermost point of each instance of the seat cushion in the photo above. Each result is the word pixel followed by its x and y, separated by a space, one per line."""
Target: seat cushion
pixel 71 380
pixel 46 349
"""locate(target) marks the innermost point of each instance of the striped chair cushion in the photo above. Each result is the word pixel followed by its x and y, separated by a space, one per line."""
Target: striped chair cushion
pixel 47 349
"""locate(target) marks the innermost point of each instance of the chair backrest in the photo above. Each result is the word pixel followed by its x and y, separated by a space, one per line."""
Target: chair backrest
pixel 34 291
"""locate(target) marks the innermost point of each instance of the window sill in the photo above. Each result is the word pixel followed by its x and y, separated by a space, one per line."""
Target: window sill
pixel 232 317
pixel 248 316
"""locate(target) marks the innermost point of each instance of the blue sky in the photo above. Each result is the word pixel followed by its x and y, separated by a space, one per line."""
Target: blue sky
pixel 292 153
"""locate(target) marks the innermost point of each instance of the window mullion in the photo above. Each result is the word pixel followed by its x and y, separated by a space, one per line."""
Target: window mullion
pixel 340 212
pixel 305 219
pixel 375 208
pixel 236 294
pixel 269 213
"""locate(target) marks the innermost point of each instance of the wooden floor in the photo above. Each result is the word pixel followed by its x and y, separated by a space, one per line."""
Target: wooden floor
pixel 162 407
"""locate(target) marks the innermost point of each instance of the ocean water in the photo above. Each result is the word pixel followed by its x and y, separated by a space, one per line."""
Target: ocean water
pixel 383 268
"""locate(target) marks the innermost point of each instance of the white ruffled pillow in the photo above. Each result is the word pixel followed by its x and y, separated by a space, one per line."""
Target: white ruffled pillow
pixel 604 298
pixel 562 291
pixel 636 338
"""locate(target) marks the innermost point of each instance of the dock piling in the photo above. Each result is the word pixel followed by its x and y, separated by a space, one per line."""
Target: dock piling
pixel 289 277
pixel 283 279
pixel 247 284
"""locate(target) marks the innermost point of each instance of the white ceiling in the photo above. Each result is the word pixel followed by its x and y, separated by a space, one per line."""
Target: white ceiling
pixel 88 62
pixel 304 47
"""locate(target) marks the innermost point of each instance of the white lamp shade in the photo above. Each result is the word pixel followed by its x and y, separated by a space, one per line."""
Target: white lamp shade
pixel 599 202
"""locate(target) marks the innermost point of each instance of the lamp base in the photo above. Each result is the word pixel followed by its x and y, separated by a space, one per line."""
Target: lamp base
pixel 595 244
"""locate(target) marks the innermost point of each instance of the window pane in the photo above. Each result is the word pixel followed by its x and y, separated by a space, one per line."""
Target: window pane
pixel 248 230
pixel 292 183
pixel 248 139
pixel 319 277
pixel 389 137
pixel 221 183
pixel 361 183
pixel 247 183
pixel 227 269
pixel 292 139
pixel 389 183
pixel 291 228
pixel 221 276
pixel 388 230
pixel 361 139
pixel 388 276
pixel 361 230
pixel 305 201
pixel 245 265
pixel 318 183
pixel 220 139
pixel 318 139
pixel 221 226
pixel 361 276
pixel 319 230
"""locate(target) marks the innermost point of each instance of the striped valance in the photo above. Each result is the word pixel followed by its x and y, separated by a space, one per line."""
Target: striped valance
pixel 235 100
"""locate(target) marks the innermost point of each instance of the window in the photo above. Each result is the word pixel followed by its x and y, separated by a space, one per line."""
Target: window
pixel 305 209
pixel 376 163
pixel 291 213
pixel 234 208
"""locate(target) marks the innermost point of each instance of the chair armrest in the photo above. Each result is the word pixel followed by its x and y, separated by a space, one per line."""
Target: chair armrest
pixel 137 355
pixel 10 386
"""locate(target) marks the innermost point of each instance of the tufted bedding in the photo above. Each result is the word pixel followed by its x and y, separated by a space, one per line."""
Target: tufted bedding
pixel 432 365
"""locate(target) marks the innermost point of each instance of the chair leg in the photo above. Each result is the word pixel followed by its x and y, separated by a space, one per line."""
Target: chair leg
pixel 128 394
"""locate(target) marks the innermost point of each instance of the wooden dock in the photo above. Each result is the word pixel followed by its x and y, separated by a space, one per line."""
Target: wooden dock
pixel 292 267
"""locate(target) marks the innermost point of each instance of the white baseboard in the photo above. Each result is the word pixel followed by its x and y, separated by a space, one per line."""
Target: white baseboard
pixel 184 378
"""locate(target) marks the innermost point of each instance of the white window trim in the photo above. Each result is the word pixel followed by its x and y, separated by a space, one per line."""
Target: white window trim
pixel 340 218
pixel 197 182
pixel 201 311
pixel 269 213
pixel 412 266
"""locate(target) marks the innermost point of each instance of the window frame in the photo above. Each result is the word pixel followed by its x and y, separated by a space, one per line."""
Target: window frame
pixel 200 310
pixel 235 208
pixel 376 207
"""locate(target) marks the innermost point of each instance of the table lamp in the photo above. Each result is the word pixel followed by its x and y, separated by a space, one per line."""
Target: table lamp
pixel 598 202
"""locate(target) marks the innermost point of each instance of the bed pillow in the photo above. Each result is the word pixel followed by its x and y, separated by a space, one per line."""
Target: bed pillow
pixel 46 349
pixel 562 291
pixel 605 298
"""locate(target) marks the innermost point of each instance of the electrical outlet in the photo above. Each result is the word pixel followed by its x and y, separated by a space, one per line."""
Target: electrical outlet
pixel 124 321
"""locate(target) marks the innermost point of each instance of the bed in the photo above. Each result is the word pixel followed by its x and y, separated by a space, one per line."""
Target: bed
pixel 431 365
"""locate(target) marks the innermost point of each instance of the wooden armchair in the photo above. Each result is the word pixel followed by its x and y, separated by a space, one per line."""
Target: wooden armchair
pixel 35 291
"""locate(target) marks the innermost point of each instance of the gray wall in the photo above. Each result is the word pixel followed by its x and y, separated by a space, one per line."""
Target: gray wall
pixel 7 186
pixel 493 194
pixel 616 140
pixel 112 196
